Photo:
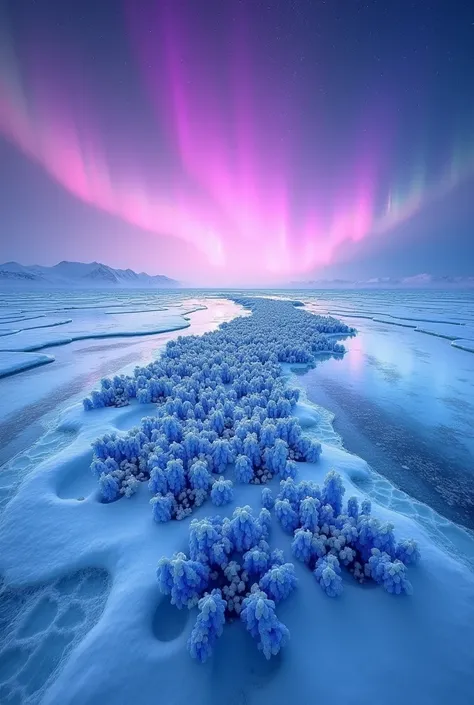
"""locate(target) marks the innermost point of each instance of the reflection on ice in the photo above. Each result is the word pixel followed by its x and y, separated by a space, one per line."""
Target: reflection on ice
pixel 404 401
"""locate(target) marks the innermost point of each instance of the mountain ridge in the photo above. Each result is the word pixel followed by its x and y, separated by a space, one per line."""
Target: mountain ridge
pixel 80 274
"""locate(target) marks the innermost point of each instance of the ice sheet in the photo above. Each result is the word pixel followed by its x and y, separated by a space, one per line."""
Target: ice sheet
pixel 33 324
pixel 89 328
pixel 10 363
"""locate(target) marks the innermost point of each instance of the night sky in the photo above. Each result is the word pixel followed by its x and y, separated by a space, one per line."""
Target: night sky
pixel 239 141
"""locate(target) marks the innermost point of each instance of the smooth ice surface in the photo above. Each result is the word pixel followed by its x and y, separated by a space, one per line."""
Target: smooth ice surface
pixel 446 314
pixel 467 345
pixel 89 326
pixel 32 323
pixel 12 362
pixel 87 624
pixel 404 400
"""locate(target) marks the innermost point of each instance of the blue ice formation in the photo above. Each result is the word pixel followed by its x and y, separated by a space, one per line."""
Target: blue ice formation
pixel 328 575
pixel 407 551
pixel 209 541
pixel 109 487
pixel 309 513
pixel 158 483
pixel 327 535
pixel 267 498
pixel 257 559
pixel 286 515
pixel 199 476
pixel 333 491
pixel 243 469
pixel 353 508
pixel 231 573
pixel 162 507
pixel 209 625
pixel 221 404
pixel 258 615
pixel 279 581
pixel 183 579
pixel 390 574
pixel 302 545
pixel 244 529
pixel 222 492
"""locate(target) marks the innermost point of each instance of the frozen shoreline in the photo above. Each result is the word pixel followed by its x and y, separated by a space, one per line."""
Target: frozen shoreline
pixel 426 637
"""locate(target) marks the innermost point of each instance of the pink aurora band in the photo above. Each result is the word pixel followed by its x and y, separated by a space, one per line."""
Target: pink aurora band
pixel 230 185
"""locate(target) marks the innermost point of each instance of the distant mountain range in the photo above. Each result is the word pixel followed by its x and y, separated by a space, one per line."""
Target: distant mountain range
pixel 419 281
pixel 95 274
pixel 80 274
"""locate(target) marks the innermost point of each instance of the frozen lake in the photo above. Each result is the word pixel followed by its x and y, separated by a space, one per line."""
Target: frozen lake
pixel 82 619
pixel 404 399
pixel 31 400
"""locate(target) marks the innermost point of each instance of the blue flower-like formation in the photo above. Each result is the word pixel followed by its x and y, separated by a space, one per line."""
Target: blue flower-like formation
pixel 326 536
pixel 222 405
pixel 231 573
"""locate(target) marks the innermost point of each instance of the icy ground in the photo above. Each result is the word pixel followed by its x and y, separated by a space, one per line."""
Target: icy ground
pixel 82 619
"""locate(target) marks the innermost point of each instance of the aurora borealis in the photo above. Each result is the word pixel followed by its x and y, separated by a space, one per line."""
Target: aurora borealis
pixel 244 140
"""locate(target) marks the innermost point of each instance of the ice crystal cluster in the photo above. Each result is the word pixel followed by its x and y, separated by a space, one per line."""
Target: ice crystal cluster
pixel 328 536
pixel 222 405
pixel 231 573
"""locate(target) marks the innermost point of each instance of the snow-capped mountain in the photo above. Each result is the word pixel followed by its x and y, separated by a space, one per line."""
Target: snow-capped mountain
pixel 79 274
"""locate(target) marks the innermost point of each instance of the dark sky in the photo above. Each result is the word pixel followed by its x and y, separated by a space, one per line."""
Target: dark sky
pixel 226 141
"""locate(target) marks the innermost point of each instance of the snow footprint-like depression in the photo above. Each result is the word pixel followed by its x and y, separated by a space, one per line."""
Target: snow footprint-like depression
pixel 73 482
pixel 40 625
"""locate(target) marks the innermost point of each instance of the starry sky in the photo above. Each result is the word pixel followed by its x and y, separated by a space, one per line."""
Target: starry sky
pixel 239 141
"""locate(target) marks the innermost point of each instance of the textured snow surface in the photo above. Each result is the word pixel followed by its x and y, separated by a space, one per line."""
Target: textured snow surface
pixel 82 619
pixel 138 647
